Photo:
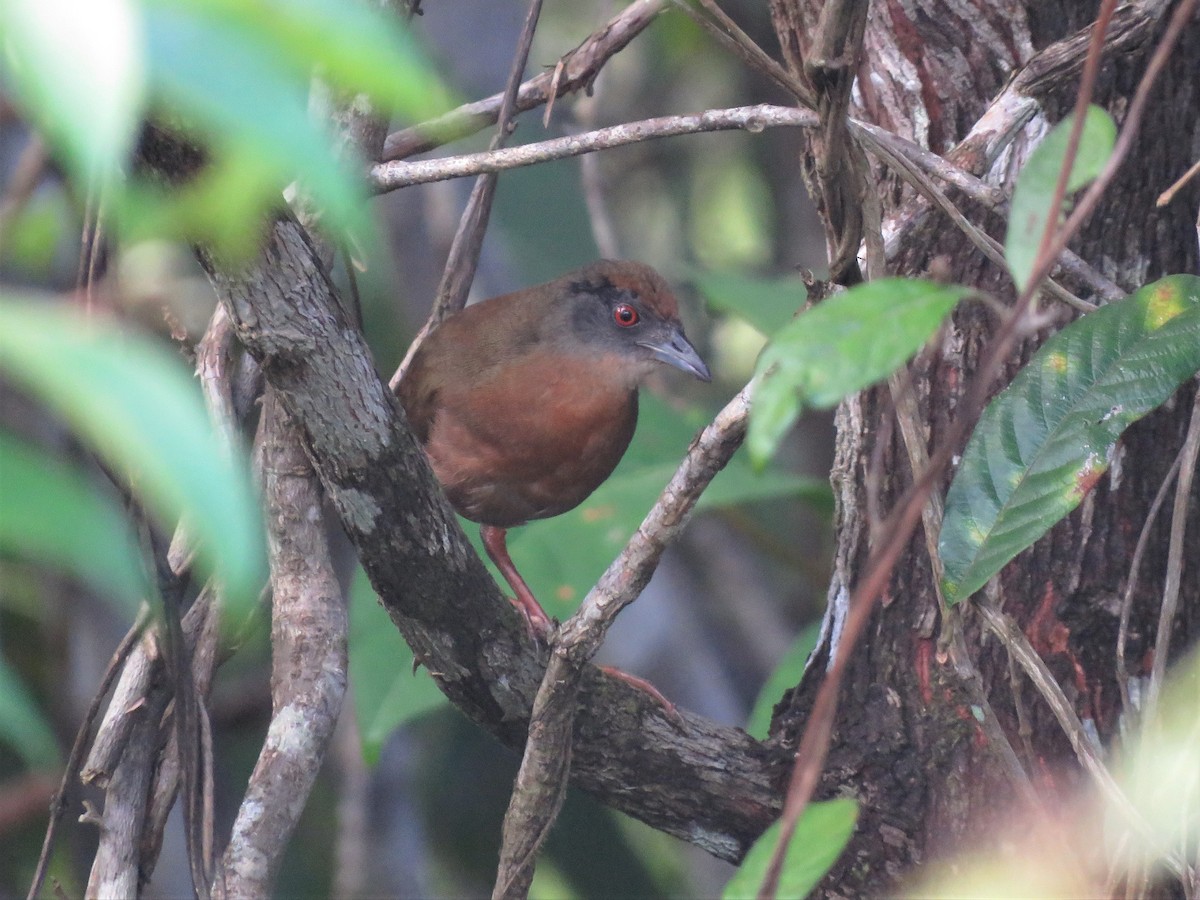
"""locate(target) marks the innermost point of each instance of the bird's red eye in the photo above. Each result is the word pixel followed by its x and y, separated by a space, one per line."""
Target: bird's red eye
pixel 625 315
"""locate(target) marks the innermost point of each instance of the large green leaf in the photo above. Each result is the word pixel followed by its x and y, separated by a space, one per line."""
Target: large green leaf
pixel 767 305
pixel 387 692
pixel 1035 186
pixel 22 726
pixel 51 514
pixel 77 71
pixel 821 835
pixel 561 558
pixel 1046 439
pixel 138 406
pixel 841 346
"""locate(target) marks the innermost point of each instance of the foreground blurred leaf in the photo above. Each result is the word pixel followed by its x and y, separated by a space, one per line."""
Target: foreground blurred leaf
pixel 51 514
pixel 821 835
pixel 77 71
pixel 1048 437
pixel 840 346
pixel 1035 186
pixel 767 305
pixel 22 726
pixel 561 558
pixel 138 406
pixel 387 693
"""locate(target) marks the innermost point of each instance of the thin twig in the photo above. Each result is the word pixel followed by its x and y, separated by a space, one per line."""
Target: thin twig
pixel 1131 582
pixel 389 176
pixel 1170 600
pixel 1169 194
pixel 22 181
pixel 79 746
pixel 576 70
pixel 463 259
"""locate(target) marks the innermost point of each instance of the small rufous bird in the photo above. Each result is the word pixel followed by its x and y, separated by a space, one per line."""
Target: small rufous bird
pixel 525 403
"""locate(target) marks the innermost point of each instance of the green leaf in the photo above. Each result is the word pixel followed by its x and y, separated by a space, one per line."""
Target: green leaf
pixel 561 558
pixel 22 725
pixel 767 305
pixel 387 693
pixel 786 676
pixel 1046 439
pixel 841 346
pixel 77 71
pixel 1035 186
pixel 50 513
pixel 138 406
pixel 354 46
pixel 251 106
pixel 821 835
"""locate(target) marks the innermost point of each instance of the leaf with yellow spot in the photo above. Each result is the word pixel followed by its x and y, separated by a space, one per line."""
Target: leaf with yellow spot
pixel 1045 441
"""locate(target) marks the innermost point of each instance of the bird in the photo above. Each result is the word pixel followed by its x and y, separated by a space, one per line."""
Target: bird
pixel 525 403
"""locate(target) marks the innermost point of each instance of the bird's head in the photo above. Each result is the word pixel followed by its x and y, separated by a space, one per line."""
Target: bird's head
pixel 627 309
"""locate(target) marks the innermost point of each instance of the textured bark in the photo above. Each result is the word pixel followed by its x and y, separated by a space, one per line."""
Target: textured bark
pixel 906 743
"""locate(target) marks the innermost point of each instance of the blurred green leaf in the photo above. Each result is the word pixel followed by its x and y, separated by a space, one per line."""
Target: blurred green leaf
pixel 34 234
pixel 22 725
pixel 250 106
pixel 840 346
pixel 1048 437
pixel 77 71
pixel 354 46
pixel 785 677
pixel 768 305
pixel 1035 186
pixel 821 835
pixel 387 693
pixel 561 558
pixel 138 406
pixel 51 514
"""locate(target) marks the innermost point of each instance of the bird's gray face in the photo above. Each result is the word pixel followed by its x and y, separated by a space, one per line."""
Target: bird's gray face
pixel 615 318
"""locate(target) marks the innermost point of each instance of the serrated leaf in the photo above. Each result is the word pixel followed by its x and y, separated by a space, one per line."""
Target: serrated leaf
pixel 840 346
pixel 22 726
pixel 387 693
pixel 767 305
pixel 51 514
pixel 1045 440
pixel 786 675
pixel 820 836
pixel 562 557
pixel 1034 192
pixel 80 82
pixel 138 406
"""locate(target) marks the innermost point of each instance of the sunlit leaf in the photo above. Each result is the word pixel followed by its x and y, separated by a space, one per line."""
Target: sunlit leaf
pixel 77 70
pixel 1035 186
pixel 768 305
pixel 840 346
pixel 785 676
pixel 387 693
pixel 51 514
pixel 22 726
pixel 821 835
pixel 1044 442
pixel 138 406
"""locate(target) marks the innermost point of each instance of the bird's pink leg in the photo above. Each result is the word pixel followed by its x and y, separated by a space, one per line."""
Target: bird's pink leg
pixel 495 543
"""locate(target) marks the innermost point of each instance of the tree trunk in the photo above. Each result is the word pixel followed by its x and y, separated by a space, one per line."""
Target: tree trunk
pixel 907 742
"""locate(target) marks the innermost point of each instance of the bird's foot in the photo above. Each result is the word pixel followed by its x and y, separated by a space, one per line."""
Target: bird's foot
pixel 668 708
pixel 539 625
